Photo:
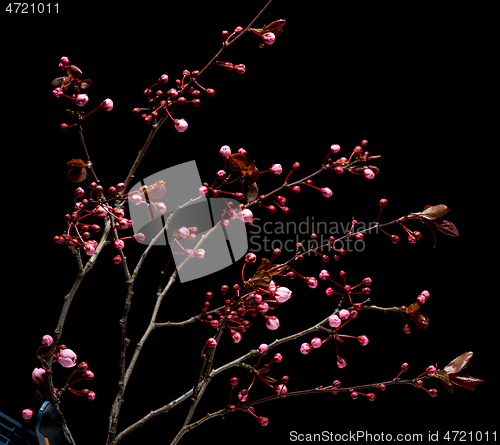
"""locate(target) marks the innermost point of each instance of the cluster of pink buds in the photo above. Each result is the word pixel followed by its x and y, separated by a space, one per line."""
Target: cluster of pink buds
pixel 357 163
pixel 72 78
pixel 96 205
pixel 413 236
pixel 336 322
pixel 187 233
pixel 67 359
pixel 186 91
pixel 262 373
pixel 346 289
pixel 420 320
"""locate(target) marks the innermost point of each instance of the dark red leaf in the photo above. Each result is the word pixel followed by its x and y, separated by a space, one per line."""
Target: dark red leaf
pixel 421 320
pixel 264 265
pixel 443 376
pixel 85 83
pixel 56 82
pixel 465 380
pixel 77 174
pixel 277 268
pixel 251 174
pixel 74 71
pixel 446 227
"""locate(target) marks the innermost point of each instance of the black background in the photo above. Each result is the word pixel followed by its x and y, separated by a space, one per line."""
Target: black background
pixel 399 78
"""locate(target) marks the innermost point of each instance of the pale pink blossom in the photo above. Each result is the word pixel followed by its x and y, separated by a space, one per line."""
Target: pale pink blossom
pixel 263 348
pixel 276 169
pixel 316 342
pixel 200 253
pixel 107 105
pixel 27 414
pixel 326 192
pixel 58 92
pixel 268 38
pixel 246 216
pixel 203 190
pixel 344 314
pixel 180 125
pixel 119 244
pixel 38 375
pixel 47 340
pixel 89 247
pixel 324 275
pixel 139 237
pixel 161 207
pixel 183 232
pixel 67 358
pixel 272 322
pixel 225 151
pixel 334 321
pixel 282 294
pixel 135 199
pixel 81 100
pixel 368 173
pixel 335 148
pixel 305 348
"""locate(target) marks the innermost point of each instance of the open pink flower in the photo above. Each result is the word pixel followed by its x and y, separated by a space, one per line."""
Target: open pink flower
pixel 67 358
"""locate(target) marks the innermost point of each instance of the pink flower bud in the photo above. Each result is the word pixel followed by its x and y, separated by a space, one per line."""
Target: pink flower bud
pixel 334 321
pixel 282 294
pixel 268 38
pixel 324 275
pixel 90 395
pixel 161 207
pixel 326 192
pixel 225 151
pixel 272 322
pixel 250 258
pixel 277 358
pixel 257 298
pixel 363 340
pixel 311 282
pixel 119 244
pixel 305 348
pixel 243 395
pixel 107 105
pixel 89 247
pixel 81 100
pixel 38 375
pixel 344 314
pixel 203 190
pixel 425 294
pixel 99 211
pixel 200 253
pixel 117 259
pixel 47 340
pixel 87 375
pixel 211 343
pixel 246 216
pixel 316 342
pixel 368 173
pixel 235 336
pixel 180 125
pixel 276 169
pixel 163 79
pixel 263 348
pixel 281 389
pixel 139 237
pixel 341 362
pixel 67 358
pixel 335 148
pixel 240 68
pixel 27 414
pixel 263 421
pixel 263 307
pixel 183 232
pixel 421 299
pixel 58 92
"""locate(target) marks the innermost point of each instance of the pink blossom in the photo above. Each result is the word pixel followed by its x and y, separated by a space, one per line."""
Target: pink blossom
pixel 135 199
pixel 334 321
pixel 89 247
pixel 335 148
pixel 243 395
pixel 272 322
pixel 58 92
pixel 246 216
pixel 341 362
pixel 242 151
pixel 305 348
pixel 81 100
pixel 161 207
pixel 276 169
pixel 277 358
pixel 87 375
pixel 225 151
pixel 139 237
pixel 183 232
pixel 263 307
pixel 282 294
pixel 235 336
pixel 47 340
pixel 90 395
pixel 27 414
pixel 281 389
pixel 200 253
pixel 268 38
pixel 67 358
pixel 99 211
pixel 250 258
pixel 316 342
pixel 263 348
pixel 221 174
pixel 257 298
pixel 368 173
pixel 425 294
pixel 312 282
pixel 189 253
pixel 344 314
pixel 326 192
pixel 363 340
pixel 211 343
pixel 421 299
pixel 117 259
pixel 203 190
pixel 324 275
pixel 119 244
pixel 180 125
pixel 38 375
pixel 263 421
pixel 107 105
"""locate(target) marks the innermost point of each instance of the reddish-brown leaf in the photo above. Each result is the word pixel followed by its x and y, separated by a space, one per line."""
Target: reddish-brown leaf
pixel 277 268
pixel 433 212
pixel 76 163
pixel 443 376
pixel 251 191
pixel 261 278
pixel 85 83
pixel 421 320
pixel 238 162
pixel 56 82
pixel 465 380
pixel 264 264
pixel 446 227
pixel 74 71
pixel 77 174
pixel 275 27
pixel 459 363
pixel 412 308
